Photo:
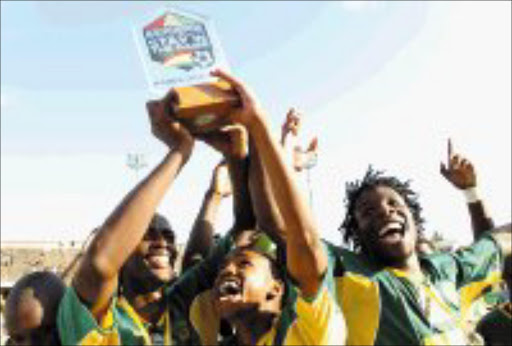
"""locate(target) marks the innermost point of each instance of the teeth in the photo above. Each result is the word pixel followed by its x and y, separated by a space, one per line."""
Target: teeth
pixel 391 226
pixel 160 261
pixel 229 287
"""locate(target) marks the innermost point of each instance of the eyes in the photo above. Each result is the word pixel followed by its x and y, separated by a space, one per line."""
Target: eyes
pixel 369 209
pixel 239 262
pixel 153 234
pixel 245 263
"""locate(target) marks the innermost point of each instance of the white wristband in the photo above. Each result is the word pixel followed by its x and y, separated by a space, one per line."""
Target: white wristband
pixel 471 195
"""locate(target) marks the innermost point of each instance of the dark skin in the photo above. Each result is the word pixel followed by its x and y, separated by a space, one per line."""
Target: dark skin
pixel 121 242
pixel 387 229
pixel 147 271
pixel 201 239
pixel 388 233
pixel 124 230
pixel 305 258
pixel 31 310
pixel 31 327
pixel 231 142
pixel 461 173
pixel 257 301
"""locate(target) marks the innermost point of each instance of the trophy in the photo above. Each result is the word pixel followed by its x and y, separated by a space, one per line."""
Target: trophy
pixel 178 51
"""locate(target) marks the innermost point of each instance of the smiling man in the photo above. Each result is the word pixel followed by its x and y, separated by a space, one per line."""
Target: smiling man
pixel 117 296
pixel 390 294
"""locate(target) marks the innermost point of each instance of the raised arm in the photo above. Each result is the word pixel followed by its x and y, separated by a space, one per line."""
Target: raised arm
pixel 306 260
pixel 461 173
pixel 232 142
pixel 300 158
pixel 200 241
pixel 122 231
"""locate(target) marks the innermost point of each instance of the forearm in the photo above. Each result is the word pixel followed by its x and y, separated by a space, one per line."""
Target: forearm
pixel 243 212
pixel 306 260
pixel 127 224
pixel 268 217
pixel 201 241
pixel 481 220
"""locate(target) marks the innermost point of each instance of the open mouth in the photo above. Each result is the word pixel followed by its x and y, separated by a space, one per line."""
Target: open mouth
pixel 392 231
pixel 229 288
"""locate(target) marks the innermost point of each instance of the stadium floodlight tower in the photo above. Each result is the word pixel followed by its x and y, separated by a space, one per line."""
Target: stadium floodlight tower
pixel 136 162
pixel 311 162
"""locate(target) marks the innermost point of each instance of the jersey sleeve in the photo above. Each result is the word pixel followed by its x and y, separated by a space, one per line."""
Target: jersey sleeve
pixel 318 319
pixel 77 326
pixel 482 261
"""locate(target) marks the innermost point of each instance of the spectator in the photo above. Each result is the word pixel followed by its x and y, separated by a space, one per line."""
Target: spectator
pixel 31 309
pixel 290 131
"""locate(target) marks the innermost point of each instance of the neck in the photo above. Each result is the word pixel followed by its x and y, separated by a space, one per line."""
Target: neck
pixel 250 327
pixel 410 265
pixel 148 303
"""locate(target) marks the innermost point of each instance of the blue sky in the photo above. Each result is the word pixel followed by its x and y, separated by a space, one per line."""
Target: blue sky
pixel 378 82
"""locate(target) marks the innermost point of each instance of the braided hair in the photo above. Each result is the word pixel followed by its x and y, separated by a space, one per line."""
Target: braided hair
pixel 372 179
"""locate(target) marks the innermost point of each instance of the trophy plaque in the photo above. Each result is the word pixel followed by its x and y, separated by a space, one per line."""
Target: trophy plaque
pixel 178 51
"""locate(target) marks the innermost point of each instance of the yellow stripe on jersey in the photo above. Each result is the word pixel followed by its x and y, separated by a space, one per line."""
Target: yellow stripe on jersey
pixel 204 318
pixel 360 301
pixel 101 339
pixel 318 322
pixel 108 337
pixel 470 292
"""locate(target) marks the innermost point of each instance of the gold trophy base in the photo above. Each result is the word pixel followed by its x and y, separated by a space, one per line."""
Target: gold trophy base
pixel 202 108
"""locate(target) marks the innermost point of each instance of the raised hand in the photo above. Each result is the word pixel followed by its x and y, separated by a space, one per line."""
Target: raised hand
pixel 459 171
pixel 231 141
pixel 169 131
pixel 291 124
pixel 250 110
pixel 221 184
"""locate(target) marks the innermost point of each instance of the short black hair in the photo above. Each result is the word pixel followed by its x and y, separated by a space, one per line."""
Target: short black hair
pixel 44 286
pixel 372 179
pixel 160 222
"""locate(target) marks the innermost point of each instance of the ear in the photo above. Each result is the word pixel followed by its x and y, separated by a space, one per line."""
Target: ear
pixel 276 290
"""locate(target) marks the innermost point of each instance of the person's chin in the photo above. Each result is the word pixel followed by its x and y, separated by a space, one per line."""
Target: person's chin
pixel 394 253
pixel 163 275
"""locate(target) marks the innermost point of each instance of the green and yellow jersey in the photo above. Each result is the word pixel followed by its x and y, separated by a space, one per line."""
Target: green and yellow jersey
pixel 307 320
pixel 384 306
pixel 121 325
pixel 304 321
pixel 490 298
pixel 191 318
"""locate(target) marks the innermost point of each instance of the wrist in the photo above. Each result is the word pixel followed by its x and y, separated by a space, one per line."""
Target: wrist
pixel 184 148
pixel 471 194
